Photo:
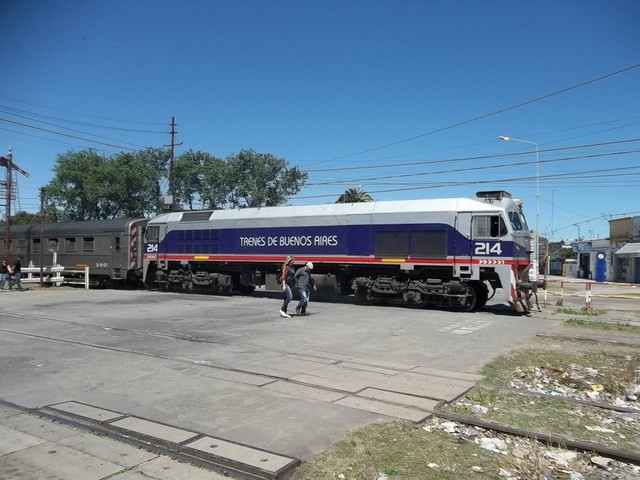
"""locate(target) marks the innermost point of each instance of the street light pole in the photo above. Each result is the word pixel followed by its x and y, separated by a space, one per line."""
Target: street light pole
pixel 537 244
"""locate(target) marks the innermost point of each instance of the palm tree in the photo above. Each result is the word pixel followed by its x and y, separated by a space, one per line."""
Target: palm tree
pixel 354 195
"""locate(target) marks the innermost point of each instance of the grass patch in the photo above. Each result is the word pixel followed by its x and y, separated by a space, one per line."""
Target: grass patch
pixel 599 325
pixel 592 312
pixel 402 451
pixel 553 416
pixel 565 367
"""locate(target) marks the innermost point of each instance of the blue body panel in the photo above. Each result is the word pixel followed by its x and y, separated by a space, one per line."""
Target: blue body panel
pixel 351 240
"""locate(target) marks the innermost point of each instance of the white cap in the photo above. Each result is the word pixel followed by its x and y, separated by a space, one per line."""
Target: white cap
pixel 310 265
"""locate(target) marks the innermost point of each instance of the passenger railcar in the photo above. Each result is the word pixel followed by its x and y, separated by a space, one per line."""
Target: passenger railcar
pixel 110 248
pixel 445 252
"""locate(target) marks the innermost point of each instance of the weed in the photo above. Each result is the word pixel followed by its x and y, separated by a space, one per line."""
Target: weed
pixel 599 325
pixel 591 312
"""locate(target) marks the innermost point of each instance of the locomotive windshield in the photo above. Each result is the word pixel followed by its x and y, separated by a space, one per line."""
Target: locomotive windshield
pixel 517 221
pixel 152 234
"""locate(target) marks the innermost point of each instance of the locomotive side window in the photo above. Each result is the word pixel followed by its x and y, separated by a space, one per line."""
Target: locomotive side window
pixel 70 244
pixel 430 243
pixel 391 244
pixel 88 244
pixel 489 226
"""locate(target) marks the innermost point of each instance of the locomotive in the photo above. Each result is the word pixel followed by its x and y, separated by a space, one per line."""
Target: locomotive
pixel 446 252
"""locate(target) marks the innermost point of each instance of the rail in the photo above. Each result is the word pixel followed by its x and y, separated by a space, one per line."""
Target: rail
pixel 55 275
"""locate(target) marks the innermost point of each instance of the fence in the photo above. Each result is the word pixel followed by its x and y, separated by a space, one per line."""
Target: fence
pixel 587 288
pixel 55 275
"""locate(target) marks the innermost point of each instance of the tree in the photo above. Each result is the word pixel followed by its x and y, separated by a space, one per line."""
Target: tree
pixel 89 186
pixel 354 195
pixel 23 218
pixel 261 179
pixel 199 177
pixel 215 187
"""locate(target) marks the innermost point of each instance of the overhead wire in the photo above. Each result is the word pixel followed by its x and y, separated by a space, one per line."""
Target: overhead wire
pixel 65 134
pixel 469 169
pixel 73 130
pixel 486 115
pixel 30 116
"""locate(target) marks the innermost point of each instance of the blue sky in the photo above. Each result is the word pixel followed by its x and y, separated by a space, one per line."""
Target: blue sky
pixel 405 99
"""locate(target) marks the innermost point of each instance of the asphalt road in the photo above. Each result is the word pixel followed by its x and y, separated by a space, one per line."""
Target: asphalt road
pixel 230 367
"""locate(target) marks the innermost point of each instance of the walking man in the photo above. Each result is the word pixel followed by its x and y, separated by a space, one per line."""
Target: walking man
pixel 305 284
pixel 17 275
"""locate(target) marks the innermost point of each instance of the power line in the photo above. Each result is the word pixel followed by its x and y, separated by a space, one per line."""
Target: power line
pixel 470 169
pixel 64 134
pixel 73 129
pixel 486 115
pixel 565 175
pixel 30 116
pixel 465 159
pixel 134 122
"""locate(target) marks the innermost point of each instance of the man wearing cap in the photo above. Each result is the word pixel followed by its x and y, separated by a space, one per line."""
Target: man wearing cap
pixel 305 284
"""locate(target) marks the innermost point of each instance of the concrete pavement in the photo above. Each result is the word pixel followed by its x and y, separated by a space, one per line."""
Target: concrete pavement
pixel 228 369
pixel 33 448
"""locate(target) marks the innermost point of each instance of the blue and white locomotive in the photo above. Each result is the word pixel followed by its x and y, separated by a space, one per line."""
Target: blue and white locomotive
pixel 444 252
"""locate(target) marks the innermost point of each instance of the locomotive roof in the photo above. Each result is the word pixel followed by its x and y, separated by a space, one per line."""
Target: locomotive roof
pixel 440 205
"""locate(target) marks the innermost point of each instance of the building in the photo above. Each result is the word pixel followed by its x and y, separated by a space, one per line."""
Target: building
pixel 624 235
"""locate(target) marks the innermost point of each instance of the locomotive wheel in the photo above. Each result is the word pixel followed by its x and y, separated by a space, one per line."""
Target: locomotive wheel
pixel 466 303
pixel 482 294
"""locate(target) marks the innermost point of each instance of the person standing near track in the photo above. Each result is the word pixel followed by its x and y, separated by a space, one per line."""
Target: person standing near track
pixel 16 272
pixel 287 274
pixel 4 273
pixel 305 285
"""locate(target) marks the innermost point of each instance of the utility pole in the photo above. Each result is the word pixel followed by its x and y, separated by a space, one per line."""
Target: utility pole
pixel 7 225
pixel 172 187
pixel 42 236
pixel 7 162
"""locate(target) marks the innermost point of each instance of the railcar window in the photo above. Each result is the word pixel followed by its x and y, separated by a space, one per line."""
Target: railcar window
pixel 35 245
pixel 88 244
pixel 52 245
pixel 489 226
pixel 431 243
pixel 70 244
pixel 117 245
pixel 391 244
pixel 21 245
pixel 516 222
